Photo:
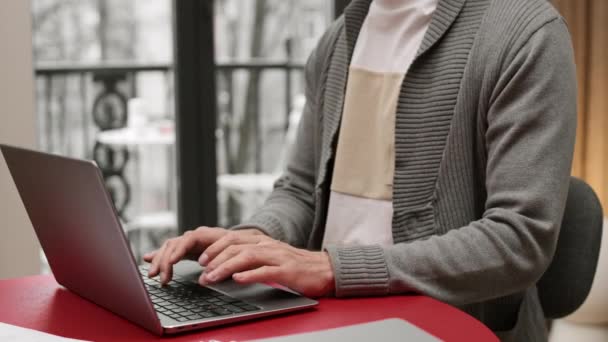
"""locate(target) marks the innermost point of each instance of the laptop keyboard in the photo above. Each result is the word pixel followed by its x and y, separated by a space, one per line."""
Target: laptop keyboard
pixel 185 301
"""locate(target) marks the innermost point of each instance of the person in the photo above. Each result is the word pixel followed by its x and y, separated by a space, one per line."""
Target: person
pixel 432 157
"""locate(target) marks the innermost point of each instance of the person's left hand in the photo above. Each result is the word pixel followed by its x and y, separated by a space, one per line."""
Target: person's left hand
pixel 271 261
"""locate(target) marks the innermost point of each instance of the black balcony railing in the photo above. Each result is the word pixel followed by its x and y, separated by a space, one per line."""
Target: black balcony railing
pixel 76 101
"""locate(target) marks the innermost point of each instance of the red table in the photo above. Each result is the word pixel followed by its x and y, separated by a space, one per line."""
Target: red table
pixel 38 302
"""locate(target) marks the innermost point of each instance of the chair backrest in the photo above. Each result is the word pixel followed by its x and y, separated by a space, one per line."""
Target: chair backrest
pixel 566 283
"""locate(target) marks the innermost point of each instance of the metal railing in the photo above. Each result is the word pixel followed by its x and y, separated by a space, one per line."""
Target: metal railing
pixel 75 101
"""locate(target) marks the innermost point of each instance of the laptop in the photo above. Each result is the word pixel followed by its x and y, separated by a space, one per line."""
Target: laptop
pixel 387 330
pixel 88 252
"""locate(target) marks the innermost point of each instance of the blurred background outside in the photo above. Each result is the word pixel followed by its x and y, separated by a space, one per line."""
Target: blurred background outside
pixel 104 91
pixel 105 87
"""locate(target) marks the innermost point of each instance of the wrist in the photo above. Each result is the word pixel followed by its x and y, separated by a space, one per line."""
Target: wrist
pixel 328 275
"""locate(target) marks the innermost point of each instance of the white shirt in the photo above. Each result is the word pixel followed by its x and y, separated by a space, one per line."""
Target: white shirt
pixel 360 205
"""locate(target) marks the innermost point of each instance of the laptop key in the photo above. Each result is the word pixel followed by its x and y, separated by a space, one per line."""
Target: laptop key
pixel 227 299
pixel 207 314
pixel 200 301
pixel 248 307
pixel 233 308
pixel 221 312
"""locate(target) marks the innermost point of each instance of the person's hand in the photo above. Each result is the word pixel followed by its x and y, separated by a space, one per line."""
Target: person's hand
pixel 191 244
pixel 270 261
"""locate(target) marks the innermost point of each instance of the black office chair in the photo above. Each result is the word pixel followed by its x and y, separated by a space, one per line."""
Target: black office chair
pixel 565 285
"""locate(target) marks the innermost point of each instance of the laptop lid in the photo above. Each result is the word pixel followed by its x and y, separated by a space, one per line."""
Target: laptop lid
pixel 77 226
pixel 388 330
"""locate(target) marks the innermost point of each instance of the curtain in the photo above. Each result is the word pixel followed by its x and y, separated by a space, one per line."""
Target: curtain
pixel 588 25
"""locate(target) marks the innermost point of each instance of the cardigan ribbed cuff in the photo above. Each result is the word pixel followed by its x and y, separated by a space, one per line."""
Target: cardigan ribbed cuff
pixel 359 270
pixel 268 224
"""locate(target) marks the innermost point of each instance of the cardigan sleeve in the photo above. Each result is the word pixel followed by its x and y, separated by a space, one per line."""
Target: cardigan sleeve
pixel 529 141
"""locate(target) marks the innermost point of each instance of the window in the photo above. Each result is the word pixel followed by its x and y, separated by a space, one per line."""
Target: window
pixel 104 89
pixel 260 47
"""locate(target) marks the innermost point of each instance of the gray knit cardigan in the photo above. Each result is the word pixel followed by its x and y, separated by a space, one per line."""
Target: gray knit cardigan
pixel 484 138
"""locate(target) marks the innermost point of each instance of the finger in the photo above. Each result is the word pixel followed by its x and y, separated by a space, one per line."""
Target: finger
pixel 232 238
pixel 264 274
pixel 165 266
pixel 247 259
pixel 187 243
pixel 207 236
pixel 149 256
pixel 225 255
pixel 154 269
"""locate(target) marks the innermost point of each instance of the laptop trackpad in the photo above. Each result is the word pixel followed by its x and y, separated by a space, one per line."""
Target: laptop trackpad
pixel 254 293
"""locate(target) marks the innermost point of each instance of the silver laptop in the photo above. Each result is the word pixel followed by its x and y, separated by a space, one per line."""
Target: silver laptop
pixel 89 254
pixel 387 330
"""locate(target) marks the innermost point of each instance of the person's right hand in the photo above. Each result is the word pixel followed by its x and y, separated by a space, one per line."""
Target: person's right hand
pixel 192 245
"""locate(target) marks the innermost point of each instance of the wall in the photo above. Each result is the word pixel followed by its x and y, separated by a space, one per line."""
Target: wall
pixel 19 250
pixel 588 25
